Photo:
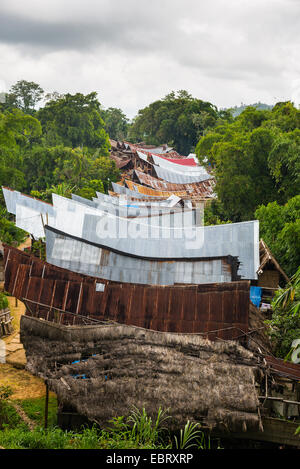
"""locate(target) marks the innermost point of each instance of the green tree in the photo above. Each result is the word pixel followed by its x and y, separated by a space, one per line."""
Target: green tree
pixel 17 131
pixel 178 119
pixel 39 165
pixel 280 228
pixel 255 159
pixel 116 123
pixel 285 116
pixel 284 163
pixel 9 233
pixel 46 166
pixel 285 322
pixel 25 95
pixel 17 128
pixel 74 121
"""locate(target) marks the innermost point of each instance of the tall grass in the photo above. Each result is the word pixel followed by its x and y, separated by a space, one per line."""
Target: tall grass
pixel 191 437
pixel 138 431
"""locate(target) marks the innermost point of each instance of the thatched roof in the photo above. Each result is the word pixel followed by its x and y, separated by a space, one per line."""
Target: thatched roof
pixel 119 366
pixel 266 257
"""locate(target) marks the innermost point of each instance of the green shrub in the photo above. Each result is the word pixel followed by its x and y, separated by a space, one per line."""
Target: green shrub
pixel 35 410
pixel 138 431
pixel 3 301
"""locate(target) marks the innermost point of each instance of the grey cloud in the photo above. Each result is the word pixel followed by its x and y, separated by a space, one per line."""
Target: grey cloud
pixel 144 49
pixel 70 35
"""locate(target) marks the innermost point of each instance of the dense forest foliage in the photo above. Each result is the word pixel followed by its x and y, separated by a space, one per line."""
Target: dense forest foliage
pixel 178 119
pixel 62 147
pixel 237 110
pixel 256 162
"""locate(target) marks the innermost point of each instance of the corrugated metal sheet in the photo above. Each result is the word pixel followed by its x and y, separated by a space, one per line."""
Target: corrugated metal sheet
pixel 180 161
pixel 283 368
pixel 238 239
pixel 143 239
pixel 82 200
pixel 152 192
pixel 85 258
pixel 108 198
pixel 168 164
pixel 124 190
pixel 31 214
pixel 162 149
pixel 10 197
pixel 143 156
pixel 177 177
pixel 121 162
pixel 172 175
pixel 124 200
pixel 14 197
pixel 151 215
pixel 217 310
pixel 204 189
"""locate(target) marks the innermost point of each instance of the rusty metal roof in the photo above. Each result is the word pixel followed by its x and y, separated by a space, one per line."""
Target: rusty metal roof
pixel 119 189
pixel 121 162
pixel 180 161
pixel 162 149
pixel 283 368
pixel 152 192
pixel 204 188
pixel 203 191
pixel 55 294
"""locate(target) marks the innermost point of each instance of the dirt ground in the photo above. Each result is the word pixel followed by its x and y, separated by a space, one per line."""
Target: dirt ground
pixel 13 373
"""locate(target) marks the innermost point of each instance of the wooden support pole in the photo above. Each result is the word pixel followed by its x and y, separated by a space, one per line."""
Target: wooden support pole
pixel 46 405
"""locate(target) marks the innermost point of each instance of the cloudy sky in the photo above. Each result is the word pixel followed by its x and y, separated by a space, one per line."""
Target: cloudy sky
pixel 133 52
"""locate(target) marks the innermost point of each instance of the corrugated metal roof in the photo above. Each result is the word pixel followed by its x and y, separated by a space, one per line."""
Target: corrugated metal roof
pixel 86 258
pixel 10 197
pixel 159 150
pixel 177 216
pixel 132 193
pixel 152 192
pixel 124 200
pixel 239 239
pixel 283 368
pixel 143 239
pixel 173 176
pixel 167 164
pixel 151 214
pixel 108 198
pixel 216 310
pixel 203 189
pixel 179 178
pixel 162 149
pixel 180 161
pixel 31 214
pixel 121 162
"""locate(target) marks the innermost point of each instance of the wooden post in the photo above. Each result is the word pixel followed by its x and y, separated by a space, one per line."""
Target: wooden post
pixel 46 405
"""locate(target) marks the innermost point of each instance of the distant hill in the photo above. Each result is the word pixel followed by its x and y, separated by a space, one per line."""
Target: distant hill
pixel 236 110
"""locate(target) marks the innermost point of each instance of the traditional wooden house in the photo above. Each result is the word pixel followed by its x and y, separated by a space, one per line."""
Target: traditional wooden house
pixel 271 276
